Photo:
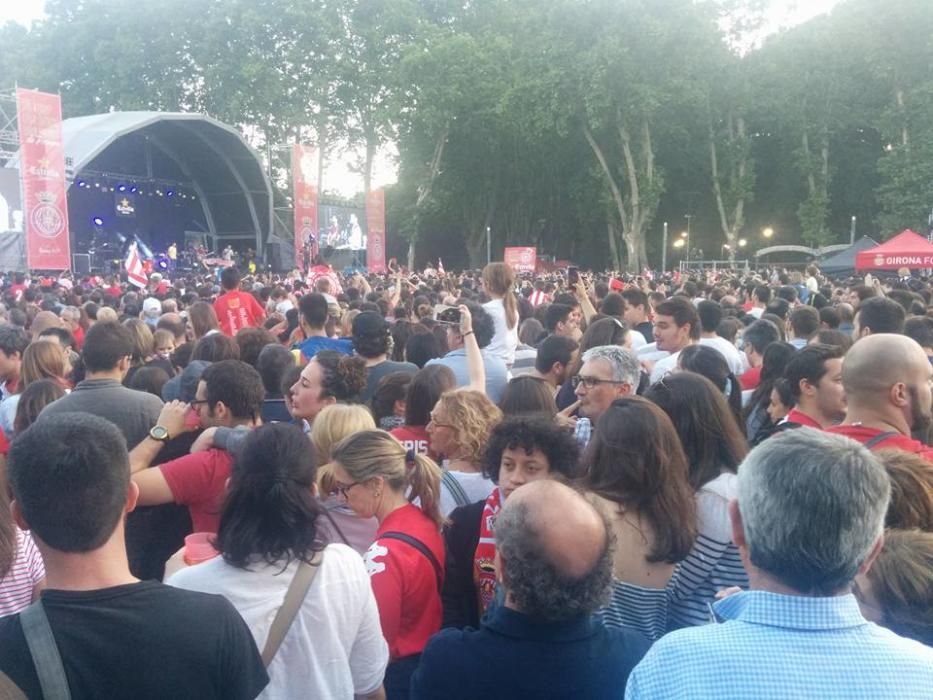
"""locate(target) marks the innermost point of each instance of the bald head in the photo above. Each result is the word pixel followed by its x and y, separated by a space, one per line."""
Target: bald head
pixel 43 321
pixel 554 550
pixel 878 362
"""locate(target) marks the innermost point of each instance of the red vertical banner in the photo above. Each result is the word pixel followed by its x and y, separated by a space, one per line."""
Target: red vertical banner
pixel 42 168
pixel 304 178
pixel 376 231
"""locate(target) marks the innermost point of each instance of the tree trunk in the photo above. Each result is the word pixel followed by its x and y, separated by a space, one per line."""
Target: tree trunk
pixel 612 232
pixel 424 190
pixel 633 232
pixel 905 134
pixel 811 180
pixel 371 142
pixel 322 136
pixel 613 189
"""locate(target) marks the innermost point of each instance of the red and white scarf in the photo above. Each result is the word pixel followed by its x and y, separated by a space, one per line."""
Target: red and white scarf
pixel 484 561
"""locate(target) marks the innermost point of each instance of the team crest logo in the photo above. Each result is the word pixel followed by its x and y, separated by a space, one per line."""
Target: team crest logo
pixel 46 217
pixel 879 260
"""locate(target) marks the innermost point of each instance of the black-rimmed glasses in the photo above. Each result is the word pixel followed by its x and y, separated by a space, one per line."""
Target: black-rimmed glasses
pixel 591 382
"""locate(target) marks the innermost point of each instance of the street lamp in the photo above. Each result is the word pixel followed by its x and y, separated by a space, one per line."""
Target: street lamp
pixel 768 232
pixel 679 243
pixel 742 243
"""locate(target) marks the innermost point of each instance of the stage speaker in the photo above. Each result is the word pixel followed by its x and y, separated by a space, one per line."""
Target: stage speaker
pixel 81 264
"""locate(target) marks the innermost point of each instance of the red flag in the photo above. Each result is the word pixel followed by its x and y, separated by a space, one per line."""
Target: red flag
pixel 616 285
pixel 134 268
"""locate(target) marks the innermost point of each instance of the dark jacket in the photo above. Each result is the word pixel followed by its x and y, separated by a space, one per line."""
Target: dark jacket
pixel 459 596
pixel 515 656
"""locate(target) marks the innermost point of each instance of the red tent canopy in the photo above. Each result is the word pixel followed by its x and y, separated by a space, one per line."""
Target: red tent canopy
pixel 906 249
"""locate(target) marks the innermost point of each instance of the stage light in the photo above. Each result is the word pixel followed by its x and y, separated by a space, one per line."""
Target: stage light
pixel 170 193
pixel 121 188
pixel 98 221
pixel 82 183
pixel 96 184
pixel 133 188
pixel 161 263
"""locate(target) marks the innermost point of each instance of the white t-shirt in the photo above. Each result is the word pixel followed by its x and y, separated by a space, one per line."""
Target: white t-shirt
pixel 638 340
pixel 334 647
pixel 476 486
pixel 735 359
pixel 664 367
pixel 505 340
pixel 756 311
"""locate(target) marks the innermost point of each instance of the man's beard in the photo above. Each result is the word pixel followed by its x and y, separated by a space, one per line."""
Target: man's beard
pixel 921 418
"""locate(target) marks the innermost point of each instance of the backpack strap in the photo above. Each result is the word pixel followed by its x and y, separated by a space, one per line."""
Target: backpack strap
pixel 286 614
pixel 421 547
pixel 880 437
pixel 44 651
pixel 456 490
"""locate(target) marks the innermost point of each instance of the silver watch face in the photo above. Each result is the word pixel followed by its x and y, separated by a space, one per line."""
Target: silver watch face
pixel 158 433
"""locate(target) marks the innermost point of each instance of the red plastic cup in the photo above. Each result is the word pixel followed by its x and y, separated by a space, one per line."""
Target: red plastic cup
pixel 198 548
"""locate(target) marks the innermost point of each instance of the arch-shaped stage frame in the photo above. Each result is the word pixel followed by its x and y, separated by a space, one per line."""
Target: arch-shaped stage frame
pixel 225 172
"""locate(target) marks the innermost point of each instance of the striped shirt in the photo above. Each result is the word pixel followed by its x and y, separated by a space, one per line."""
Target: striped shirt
pixel 713 562
pixel 638 608
pixel 28 569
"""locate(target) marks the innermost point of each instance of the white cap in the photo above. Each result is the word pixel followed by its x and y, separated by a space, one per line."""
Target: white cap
pixel 152 307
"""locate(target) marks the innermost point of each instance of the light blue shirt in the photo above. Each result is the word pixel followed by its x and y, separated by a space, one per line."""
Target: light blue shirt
pixel 497 374
pixel 782 647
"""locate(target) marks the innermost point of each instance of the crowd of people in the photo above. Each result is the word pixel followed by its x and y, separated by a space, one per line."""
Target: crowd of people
pixel 698 485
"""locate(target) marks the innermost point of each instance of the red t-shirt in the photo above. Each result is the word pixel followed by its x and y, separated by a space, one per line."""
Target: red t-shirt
pixel 412 437
pixel 4 444
pixel 750 379
pixel 236 310
pixel 863 434
pixel 404 581
pixel 800 418
pixel 198 481
pixel 17 291
pixel 78 335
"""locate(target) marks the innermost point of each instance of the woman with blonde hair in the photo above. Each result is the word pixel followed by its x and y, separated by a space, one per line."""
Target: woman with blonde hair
pixel 498 283
pixel 332 425
pixel 459 429
pixel 142 346
pixel 378 478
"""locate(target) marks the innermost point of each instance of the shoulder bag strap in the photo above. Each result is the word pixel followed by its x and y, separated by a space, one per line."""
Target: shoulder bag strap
pixel 45 655
pixel 294 597
pixel 421 547
pixel 880 437
pixel 456 490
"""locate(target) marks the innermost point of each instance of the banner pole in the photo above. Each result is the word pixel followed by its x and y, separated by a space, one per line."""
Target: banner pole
pixel 488 247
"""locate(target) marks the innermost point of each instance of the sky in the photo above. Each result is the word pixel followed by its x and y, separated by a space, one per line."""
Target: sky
pixel 338 175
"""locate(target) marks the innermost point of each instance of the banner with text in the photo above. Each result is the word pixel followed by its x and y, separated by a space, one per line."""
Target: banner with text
pixel 522 259
pixel 376 231
pixel 304 178
pixel 42 167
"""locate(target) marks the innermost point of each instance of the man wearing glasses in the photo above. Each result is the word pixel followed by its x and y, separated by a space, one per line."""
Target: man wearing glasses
pixel 609 372
pixel 230 394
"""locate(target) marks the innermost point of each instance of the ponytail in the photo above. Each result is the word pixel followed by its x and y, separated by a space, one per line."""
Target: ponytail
pixel 424 478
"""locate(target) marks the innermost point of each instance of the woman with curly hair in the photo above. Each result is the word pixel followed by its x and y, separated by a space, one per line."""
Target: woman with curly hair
pixel 519 450
pixel 460 424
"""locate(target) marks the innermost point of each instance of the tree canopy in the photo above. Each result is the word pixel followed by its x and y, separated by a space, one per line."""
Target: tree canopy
pixel 577 126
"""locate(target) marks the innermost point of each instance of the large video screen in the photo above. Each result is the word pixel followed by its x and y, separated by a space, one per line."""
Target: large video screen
pixel 342 228
pixel 11 207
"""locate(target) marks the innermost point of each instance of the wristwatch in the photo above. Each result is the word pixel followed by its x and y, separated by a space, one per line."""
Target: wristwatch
pixel 159 433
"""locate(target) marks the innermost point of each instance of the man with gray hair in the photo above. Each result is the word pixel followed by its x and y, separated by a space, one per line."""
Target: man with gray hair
pixel 609 372
pixel 809 517
pixel 554 566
